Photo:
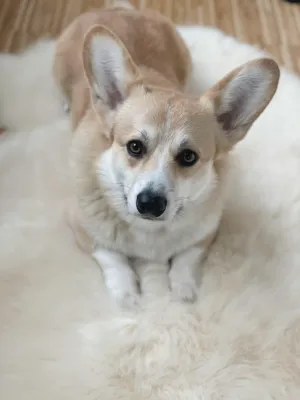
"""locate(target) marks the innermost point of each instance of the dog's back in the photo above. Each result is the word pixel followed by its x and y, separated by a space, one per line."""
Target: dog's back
pixel 150 38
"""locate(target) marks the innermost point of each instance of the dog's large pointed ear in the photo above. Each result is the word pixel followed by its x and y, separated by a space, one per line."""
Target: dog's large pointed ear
pixel 241 97
pixel 108 65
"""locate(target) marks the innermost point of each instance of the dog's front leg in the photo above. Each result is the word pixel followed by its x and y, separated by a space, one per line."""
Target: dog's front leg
pixel 119 277
pixel 183 273
pixel 184 268
pixel 153 277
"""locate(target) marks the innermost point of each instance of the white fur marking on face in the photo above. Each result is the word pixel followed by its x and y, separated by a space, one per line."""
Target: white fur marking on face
pixel 156 180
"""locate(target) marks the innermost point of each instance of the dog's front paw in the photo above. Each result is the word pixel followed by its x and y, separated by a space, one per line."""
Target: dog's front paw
pixel 183 291
pixel 120 279
pixel 127 299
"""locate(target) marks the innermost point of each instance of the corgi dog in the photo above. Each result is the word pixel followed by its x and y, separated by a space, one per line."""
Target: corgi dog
pixel 148 160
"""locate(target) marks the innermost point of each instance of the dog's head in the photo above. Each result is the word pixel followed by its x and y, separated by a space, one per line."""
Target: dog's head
pixel 164 144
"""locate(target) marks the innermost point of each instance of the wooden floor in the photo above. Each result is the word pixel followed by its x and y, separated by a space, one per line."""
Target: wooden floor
pixel 271 24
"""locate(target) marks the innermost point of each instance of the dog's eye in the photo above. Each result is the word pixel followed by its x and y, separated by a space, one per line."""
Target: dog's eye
pixel 187 158
pixel 135 148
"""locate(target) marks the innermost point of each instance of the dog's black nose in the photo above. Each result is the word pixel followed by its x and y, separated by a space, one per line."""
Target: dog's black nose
pixel 151 203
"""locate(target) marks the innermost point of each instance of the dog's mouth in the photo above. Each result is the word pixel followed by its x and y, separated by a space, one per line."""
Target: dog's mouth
pixel 149 218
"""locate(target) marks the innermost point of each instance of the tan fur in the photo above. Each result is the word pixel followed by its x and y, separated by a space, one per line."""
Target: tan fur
pixel 150 38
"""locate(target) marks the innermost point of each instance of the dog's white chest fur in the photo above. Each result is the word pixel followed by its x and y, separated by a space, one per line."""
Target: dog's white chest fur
pixel 156 244
pixel 119 246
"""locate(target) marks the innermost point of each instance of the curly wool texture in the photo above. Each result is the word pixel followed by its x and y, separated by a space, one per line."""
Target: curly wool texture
pixel 60 335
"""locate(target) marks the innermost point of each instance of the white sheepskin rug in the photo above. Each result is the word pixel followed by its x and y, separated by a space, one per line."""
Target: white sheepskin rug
pixel 60 335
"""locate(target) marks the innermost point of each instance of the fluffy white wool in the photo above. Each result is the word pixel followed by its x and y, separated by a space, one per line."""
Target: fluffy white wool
pixel 61 338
